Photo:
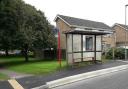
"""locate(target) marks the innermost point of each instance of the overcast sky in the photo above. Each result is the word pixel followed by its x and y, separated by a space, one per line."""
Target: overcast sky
pixel 107 11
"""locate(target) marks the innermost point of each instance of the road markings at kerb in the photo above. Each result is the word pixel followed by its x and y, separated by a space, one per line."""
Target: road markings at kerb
pixel 15 84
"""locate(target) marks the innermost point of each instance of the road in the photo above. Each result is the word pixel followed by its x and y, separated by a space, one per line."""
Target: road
pixel 116 80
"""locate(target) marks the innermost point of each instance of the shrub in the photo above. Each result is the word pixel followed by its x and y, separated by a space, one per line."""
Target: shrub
pixel 119 53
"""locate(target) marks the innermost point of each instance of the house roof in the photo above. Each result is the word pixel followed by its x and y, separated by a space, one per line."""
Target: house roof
pixel 81 23
pixel 121 25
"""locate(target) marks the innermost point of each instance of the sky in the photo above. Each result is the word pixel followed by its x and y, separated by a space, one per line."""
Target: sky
pixel 106 11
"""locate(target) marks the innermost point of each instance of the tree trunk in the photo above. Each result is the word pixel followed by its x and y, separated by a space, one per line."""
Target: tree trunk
pixel 26 56
pixel 6 52
pixel 25 53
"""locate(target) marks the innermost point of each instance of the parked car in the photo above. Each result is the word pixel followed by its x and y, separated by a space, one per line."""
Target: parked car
pixel 2 52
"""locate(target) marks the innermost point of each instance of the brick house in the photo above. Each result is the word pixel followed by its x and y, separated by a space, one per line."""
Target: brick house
pixel 117 39
pixel 81 38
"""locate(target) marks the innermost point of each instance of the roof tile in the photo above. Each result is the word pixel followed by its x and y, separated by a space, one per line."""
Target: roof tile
pixel 84 23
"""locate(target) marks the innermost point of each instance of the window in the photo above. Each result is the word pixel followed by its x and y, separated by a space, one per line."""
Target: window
pixel 89 42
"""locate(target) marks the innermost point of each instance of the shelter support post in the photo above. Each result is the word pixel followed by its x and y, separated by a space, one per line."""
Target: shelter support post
pixel 81 47
pixel 94 48
pixel 66 50
pixel 72 51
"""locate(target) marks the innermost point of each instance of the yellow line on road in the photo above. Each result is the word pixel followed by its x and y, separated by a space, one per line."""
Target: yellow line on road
pixel 15 84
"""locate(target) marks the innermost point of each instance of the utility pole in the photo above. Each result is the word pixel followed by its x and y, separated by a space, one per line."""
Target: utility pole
pixel 126 32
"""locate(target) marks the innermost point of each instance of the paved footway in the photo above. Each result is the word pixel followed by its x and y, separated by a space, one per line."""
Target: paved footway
pixel 116 80
pixel 36 81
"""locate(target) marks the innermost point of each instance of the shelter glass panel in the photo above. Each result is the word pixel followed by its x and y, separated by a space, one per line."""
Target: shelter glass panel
pixel 98 43
pixel 70 59
pixel 89 42
pixel 76 43
pixel 77 57
pixel 98 55
pixel 88 56
pixel 69 42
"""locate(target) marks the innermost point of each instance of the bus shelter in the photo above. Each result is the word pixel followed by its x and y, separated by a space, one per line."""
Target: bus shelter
pixel 83 45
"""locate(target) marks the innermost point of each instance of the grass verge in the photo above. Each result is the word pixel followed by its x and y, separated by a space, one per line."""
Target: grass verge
pixel 34 66
pixel 37 67
pixel 3 77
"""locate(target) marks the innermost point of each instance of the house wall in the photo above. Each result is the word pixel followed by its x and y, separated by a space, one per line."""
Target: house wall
pixel 62 27
pixel 108 41
pixel 120 34
pixel 117 39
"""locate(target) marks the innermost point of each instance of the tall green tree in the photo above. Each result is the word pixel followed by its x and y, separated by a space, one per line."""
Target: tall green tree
pixel 27 27
pixel 7 26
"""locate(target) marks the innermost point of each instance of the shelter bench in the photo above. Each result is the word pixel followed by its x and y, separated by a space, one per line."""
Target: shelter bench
pixel 77 61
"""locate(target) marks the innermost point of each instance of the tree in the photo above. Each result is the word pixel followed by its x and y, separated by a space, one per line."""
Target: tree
pixel 27 27
pixel 35 30
pixel 7 26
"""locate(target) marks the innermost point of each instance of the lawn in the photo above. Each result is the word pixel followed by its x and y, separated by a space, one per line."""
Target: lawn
pixel 34 66
pixel 3 77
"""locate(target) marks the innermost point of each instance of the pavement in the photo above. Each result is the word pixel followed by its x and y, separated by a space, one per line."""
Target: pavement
pixel 36 81
pixel 115 80
pixel 5 85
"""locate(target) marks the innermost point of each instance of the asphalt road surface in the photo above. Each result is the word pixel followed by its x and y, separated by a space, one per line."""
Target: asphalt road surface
pixel 116 80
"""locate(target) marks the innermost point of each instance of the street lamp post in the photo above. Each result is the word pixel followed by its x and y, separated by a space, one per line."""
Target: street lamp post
pixel 126 32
